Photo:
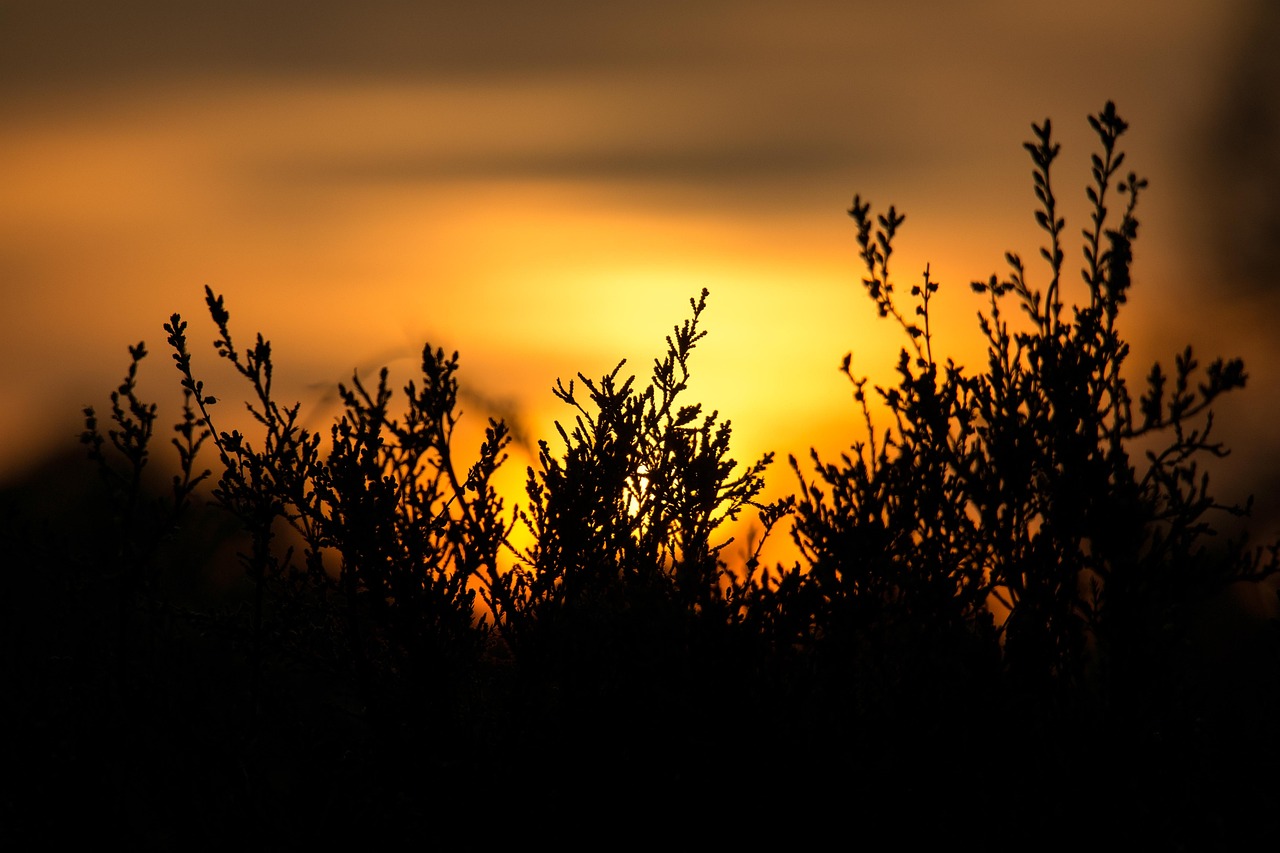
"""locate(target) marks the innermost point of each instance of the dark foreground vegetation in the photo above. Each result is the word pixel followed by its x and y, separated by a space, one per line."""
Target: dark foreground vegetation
pixel 1011 619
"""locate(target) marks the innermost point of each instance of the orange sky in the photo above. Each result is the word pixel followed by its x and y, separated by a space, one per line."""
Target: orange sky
pixel 543 186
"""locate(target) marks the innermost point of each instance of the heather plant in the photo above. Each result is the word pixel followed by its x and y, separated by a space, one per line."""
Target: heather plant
pixel 367 555
pixel 395 537
pixel 1022 538
pixel 633 507
pixel 142 520
pixel 624 612
pixel 1000 515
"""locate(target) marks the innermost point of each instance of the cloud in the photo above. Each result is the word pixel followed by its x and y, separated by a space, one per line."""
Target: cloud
pixel 90 42
pixel 1237 147
pixel 86 43
pixel 746 161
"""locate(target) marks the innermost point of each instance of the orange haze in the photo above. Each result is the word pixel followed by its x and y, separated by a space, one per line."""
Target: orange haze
pixel 545 195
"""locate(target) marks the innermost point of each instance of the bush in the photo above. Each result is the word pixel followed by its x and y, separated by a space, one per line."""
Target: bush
pixel 1003 509
pixel 995 561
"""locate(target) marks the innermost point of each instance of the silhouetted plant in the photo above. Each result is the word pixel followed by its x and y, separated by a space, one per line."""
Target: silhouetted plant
pixel 415 534
pixel 643 487
pixel 623 608
pixel 1011 491
pixel 993 548
pixel 141 520
pixel 407 536
pixel 131 436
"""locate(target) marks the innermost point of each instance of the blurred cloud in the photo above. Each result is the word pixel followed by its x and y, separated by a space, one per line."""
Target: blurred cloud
pixel 142 40
pixel 1239 145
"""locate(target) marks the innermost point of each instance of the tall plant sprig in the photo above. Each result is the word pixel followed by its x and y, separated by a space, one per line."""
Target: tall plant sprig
pixel 418 536
pixel 1053 405
pixel 1059 411
pixel 633 507
pixel 1008 496
pixel 258 487
pixel 885 532
pixel 134 426
pixel 386 518
pixel 141 520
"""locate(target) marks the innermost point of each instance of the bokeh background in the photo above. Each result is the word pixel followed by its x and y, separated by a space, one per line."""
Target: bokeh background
pixel 544 185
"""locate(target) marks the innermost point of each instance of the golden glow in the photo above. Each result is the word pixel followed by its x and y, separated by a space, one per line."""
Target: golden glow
pixel 549 222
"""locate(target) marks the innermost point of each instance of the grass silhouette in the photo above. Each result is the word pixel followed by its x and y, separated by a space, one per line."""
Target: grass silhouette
pixel 992 624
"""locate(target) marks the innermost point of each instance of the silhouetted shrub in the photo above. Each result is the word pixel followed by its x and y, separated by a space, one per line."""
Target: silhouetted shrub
pixel 1020 554
pixel 1000 516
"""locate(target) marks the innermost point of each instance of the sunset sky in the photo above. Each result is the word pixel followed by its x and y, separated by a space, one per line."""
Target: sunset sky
pixel 544 185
